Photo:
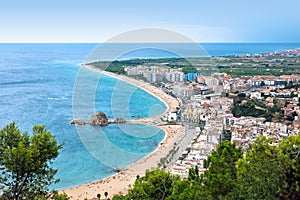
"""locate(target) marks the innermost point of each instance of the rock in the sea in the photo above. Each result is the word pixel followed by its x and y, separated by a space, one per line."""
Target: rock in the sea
pixel 77 121
pixel 99 119
pixel 120 121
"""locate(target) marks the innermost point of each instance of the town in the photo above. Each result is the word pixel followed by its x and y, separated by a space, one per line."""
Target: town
pixel 227 105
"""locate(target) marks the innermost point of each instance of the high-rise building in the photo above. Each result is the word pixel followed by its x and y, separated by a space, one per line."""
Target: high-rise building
pixel 191 76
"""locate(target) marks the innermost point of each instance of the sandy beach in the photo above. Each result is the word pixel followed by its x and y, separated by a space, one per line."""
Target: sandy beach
pixel 121 182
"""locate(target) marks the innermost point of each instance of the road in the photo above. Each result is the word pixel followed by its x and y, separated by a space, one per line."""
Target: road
pixel 182 144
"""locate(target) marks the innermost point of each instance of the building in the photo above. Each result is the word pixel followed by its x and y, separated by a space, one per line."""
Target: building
pixel 191 76
pixel 172 117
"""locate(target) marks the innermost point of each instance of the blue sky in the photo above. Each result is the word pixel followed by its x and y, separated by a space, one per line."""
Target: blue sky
pixel 98 20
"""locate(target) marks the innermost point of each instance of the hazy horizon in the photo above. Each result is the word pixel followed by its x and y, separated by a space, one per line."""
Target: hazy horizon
pixel 97 21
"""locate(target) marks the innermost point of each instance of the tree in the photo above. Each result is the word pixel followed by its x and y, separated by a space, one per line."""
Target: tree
pixel 178 189
pixel 105 194
pixel 260 173
pixel 194 192
pixel 220 177
pixel 194 174
pixel 289 148
pixel 156 184
pixel 99 196
pixel 51 196
pixel 120 197
pixel 266 172
pixel 26 162
pixel 63 196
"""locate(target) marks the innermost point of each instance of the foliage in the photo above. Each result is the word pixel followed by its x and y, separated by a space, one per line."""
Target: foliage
pixel 265 172
pixel 221 176
pixel 156 184
pixel 260 172
pixel 256 108
pixel 187 70
pixel 26 162
pixel 179 188
pixel 252 66
pixel 247 109
pixel 194 174
pixel 60 197
pixel 290 150
pixel 120 197
pixel 269 172
pixel 167 159
pixel 98 196
pixel 192 192
pixel 227 135
pixel 115 66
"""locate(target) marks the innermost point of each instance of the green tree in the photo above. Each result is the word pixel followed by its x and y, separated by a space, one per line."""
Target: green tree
pixel 178 189
pixel 105 194
pixel 220 177
pixel 25 162
pixel 52 196
pixel 156 184
pixel 63 196
pixel 260 173
pixel 266 172
pixel 289 148
pixel 194 192
pixel 194 174
pixel 99 196
pixel 120 197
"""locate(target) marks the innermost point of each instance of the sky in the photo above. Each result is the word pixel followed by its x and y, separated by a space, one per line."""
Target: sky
pixel 98 20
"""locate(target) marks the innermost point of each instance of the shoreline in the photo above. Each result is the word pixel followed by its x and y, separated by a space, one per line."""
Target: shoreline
pixel 140 84
pixel 121 181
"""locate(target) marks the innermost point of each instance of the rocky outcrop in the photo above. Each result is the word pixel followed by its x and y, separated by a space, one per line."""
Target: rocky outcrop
pixel 99 119
pixel 119 121
pixel 78 122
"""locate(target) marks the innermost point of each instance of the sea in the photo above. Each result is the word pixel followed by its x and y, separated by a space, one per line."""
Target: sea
pixel 39 85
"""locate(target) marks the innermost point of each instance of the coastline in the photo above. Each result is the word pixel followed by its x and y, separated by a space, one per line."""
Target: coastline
pixel 121 181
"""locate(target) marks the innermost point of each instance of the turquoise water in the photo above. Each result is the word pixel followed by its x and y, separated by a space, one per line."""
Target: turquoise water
pixel 36 87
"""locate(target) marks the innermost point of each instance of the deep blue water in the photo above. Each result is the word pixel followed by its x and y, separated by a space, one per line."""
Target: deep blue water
pixel 149 50
pixel 223 49
pixel 36 87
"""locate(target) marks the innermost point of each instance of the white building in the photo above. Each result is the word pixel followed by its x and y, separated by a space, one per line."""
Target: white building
pixel 172 117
